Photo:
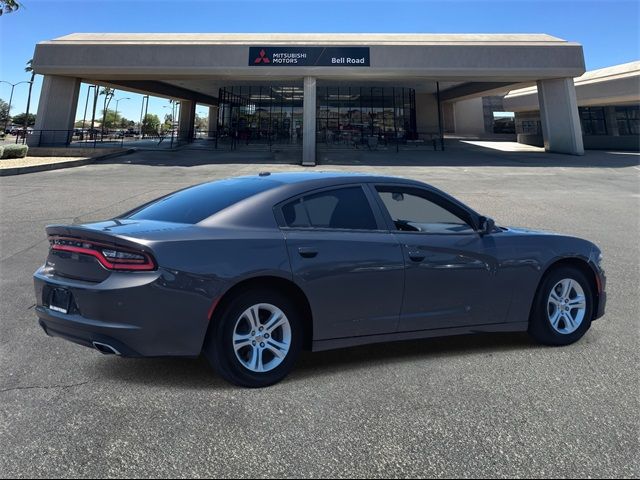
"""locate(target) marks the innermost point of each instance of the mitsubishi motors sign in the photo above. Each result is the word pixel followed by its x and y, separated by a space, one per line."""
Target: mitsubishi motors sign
pixel 309 56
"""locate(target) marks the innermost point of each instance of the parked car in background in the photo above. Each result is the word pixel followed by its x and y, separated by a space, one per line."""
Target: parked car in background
pixel 21 133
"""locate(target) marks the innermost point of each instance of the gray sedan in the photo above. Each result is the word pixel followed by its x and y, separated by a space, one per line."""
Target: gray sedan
pixel 251 270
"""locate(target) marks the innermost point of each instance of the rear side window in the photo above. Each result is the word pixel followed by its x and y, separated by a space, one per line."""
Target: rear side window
pixel 195 204
pixel 342 208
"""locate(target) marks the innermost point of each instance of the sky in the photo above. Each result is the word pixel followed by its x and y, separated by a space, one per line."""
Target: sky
pixel 608 29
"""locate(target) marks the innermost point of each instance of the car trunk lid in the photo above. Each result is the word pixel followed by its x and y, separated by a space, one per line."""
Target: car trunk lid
pixel 92 252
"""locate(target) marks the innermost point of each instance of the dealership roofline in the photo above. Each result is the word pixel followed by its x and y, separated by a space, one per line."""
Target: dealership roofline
pixel 310 39
pixel 615 72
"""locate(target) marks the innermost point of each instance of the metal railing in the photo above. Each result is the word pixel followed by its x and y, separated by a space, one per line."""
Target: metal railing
pixel 388 140
pixel 226 140
pixel 229 141
pixel 95 139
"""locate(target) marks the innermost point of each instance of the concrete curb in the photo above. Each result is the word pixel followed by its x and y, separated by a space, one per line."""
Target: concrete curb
pixel 57 166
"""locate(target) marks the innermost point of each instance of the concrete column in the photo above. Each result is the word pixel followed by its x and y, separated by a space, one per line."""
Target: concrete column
pixel 559 116
pixel 469 117
pixel 187 120
pixel 309 123
pixel 56 111
pixel 213 121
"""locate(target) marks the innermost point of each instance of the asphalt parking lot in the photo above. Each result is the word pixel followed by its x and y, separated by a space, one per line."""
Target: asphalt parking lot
pixel 484 406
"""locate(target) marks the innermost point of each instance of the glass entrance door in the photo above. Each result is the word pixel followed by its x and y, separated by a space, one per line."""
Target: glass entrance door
pixel 261 114
pixel 351 115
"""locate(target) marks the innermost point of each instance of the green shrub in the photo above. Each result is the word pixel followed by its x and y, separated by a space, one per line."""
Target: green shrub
pixel 1 150
pixel 14 151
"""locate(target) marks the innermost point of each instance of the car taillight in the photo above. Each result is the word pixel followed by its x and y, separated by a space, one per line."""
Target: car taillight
pixel 110 257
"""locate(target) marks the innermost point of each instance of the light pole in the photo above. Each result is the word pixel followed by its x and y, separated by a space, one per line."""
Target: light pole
pixel 172 106
pixel 201 115
pixel 124 98
pixel 93 115
pixel 173 120
pixel 86 104
pixel 116 118
pixel 145 99
pixel 13 85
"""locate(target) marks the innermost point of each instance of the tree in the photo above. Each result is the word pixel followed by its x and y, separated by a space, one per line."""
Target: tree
pixel 108 95
pixel 150 124
pixel 4 112
pixel 8 6
pixel 202 123
pixel 21 119
pixel 29 69
pixel 110 119
pixel 168 122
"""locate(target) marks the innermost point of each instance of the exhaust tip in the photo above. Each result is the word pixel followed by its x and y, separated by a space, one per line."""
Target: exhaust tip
pixel 105 349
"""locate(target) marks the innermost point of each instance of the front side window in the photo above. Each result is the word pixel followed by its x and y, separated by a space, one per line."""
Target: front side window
pixel 342 208
pixel 414 213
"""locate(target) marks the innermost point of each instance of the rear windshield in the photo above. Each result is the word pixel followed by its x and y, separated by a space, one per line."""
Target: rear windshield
pixel 197 203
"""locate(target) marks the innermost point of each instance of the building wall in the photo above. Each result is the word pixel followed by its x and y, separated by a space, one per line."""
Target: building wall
pixel 426 113
pixel 603 133
pixel 490 104
pixel 469 117
pixel 608 86
pixel 448 117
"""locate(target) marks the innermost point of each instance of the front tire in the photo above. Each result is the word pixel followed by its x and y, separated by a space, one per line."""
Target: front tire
pixel 563 307
pixel 256 339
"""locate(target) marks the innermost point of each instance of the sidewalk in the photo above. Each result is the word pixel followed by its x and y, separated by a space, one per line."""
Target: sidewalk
pixel 18 166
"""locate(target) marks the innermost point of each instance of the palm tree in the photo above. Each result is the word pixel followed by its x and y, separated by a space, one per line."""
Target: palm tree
pixel 108 95
pixel 29 69
pixel 8 6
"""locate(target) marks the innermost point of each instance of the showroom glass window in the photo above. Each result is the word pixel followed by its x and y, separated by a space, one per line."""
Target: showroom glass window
pixel 261 114
pixel 628 119
pixel 341 208
pixel 347 115
pixel 592 120
pixel 531 127
pixel 414 212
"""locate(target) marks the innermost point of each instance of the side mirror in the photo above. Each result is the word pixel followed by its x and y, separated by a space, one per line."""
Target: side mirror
pixel 487 225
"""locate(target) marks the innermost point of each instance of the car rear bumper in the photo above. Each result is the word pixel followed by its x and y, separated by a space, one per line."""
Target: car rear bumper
pixel 81 333
pixel 137 314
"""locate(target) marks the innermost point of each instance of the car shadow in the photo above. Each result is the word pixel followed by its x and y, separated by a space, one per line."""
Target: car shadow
pixel 175 373
pixel 456 154
pixel 196 373
pixel 356 358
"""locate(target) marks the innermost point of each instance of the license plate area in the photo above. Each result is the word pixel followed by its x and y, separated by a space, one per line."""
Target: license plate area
pixel 60 300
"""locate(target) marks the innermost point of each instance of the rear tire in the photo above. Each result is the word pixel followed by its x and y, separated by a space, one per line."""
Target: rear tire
pixel 257 338
pixel 563 307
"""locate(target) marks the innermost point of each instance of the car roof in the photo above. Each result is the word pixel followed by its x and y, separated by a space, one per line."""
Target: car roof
pixel 257 210
pixel 328 177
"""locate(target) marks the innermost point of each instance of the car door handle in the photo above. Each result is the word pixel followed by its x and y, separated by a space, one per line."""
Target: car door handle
pixel 417 256
pixel 307 252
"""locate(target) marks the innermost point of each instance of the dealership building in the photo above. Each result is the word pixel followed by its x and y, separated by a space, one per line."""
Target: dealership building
pixel 608 107
pixel 309 89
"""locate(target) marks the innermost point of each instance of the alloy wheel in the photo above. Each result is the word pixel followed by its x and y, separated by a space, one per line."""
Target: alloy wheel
pixel 262 337
pixel 566 306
